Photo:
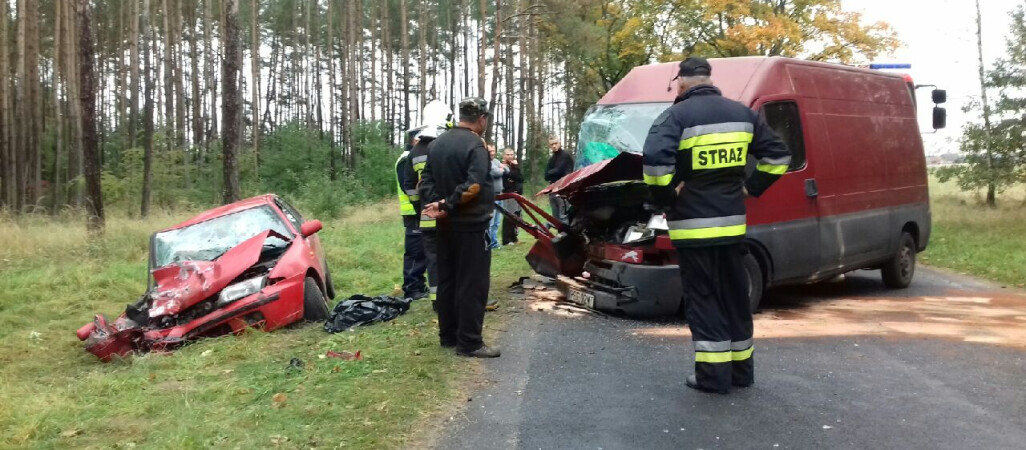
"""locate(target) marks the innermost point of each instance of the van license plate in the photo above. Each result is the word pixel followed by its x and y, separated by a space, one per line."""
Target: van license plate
pixel 581 298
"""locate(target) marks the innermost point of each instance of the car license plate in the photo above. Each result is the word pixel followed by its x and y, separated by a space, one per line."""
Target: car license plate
pixel 581 298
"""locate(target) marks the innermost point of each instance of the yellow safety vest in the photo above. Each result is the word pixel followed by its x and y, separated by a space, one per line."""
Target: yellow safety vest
pixel 405 205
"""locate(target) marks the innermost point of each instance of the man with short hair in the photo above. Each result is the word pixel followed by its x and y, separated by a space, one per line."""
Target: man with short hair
pixel 457 188
pixel 560 165
pixel 513 183
pixel 694 164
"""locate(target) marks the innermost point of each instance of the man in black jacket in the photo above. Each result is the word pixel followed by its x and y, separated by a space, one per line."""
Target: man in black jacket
pixel 457 187
pixel 513 182
pixel 560 165
pixel 694 164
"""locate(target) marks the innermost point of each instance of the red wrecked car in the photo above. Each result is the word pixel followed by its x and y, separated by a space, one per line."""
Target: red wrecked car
pixel 253 263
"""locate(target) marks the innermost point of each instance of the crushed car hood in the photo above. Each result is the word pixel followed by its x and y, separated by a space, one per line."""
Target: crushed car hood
pixel 186 283
pixel 625 166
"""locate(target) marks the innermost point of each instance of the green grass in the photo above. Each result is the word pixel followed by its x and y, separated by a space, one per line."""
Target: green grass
pixel 971 238
pixel 218 391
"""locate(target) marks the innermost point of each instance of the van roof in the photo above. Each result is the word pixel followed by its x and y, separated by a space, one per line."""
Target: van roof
pixel 743 79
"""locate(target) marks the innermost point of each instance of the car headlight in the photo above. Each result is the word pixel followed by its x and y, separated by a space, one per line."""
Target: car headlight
pixel 240 290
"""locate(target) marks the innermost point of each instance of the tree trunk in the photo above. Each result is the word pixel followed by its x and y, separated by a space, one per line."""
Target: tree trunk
pixel 208 37
pixel 196 96
pixel 374 24
pixel 7 184
pixel 405 61
pixel 464 19
pixel 254 54
pixel 133 93
pixel 148 79
pixel 232 101
pixel 75 165
pixel 481 50
pixel 90 150
pixel 169 77
pixel 55 86
pixel 20 102
pixel 332 162
pixel 495 67
pixel 389 89
pixel 178 64
pixel 991 196
pixel 422 59
pixel 34 167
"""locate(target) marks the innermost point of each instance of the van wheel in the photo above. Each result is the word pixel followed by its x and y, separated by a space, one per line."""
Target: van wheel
pixel 756 284
pixel 315 308
pixel 897 273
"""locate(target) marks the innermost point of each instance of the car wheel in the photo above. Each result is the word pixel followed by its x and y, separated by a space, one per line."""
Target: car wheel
pixel 329 288
pixel 897 273
pixel 756 284
pixel 315 308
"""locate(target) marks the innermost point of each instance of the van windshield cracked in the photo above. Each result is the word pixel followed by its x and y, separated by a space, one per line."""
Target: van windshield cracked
pixel 205 241
pixel 608 130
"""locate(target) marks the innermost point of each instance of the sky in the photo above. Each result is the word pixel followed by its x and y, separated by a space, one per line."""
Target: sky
pixel 939 38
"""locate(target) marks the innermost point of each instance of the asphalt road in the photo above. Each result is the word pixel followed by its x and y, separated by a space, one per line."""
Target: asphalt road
pixel 846 364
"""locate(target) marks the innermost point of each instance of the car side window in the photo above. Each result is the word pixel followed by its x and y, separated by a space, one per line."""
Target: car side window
pixel 290 213
pixel 785 120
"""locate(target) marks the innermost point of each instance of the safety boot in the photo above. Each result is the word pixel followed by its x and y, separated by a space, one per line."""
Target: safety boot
pixel 483 352
pixel 692 383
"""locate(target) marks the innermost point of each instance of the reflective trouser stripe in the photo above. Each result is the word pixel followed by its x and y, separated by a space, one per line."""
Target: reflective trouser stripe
pixel 708 233
pixel 723 357
pixel 427 223
pixel 432 293
pixel 713 357
pixel 712 346
pixel 742 355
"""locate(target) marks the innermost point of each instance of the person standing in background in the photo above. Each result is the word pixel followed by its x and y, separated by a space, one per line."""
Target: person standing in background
pixel 497 172
pixel 512 183
pixel 560 165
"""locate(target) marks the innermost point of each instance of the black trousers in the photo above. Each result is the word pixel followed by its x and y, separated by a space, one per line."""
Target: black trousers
pixel 415 261
pixel 464 263
pixel 431 254
pixel 509 229
pixel 718 313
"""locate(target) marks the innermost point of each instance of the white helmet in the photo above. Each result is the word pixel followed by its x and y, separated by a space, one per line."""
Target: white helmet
pixel 434 119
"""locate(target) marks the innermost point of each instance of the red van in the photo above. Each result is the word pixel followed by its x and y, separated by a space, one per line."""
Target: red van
pixel 855 197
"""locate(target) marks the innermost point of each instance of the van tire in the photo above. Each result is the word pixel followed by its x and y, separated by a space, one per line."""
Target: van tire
pixel 756 283
pixel 315 308
pixel 898 272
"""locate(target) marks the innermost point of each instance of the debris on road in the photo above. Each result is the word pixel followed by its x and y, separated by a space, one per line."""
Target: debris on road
pixel 345 355
pixel 363 310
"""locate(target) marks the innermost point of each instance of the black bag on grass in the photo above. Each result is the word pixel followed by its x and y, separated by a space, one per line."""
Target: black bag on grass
pixel 361 310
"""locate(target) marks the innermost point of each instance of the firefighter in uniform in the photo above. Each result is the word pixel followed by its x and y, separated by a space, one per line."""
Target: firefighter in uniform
pixel 457 188
pixel 694 164
pixel 436 121
pixel 414 259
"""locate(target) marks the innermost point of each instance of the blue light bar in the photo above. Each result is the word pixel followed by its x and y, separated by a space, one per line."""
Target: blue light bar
pixel 890 66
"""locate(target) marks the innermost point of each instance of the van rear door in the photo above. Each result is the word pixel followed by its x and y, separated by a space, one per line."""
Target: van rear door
pixel 785 220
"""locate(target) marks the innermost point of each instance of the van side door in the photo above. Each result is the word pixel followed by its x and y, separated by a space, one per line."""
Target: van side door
pixel 785 220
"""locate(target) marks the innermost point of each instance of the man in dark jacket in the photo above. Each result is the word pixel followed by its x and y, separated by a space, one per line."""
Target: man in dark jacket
pixel 457 189
pixel 513 182
pixel 698 148
pixel 560 165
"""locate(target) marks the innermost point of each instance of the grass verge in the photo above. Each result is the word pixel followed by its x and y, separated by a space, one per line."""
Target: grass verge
pixel 235 390
pixel 971 238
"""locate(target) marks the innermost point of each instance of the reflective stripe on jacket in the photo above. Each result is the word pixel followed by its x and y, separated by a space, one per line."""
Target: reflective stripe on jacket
pixel 704 140
pixel 407 188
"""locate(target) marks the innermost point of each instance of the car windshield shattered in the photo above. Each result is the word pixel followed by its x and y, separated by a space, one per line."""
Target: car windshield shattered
pixel 205 241
pixel 608 130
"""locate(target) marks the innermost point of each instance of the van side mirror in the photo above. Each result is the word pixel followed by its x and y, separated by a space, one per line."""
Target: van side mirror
pixel 940 96
pixel 940 118
pixel 310 228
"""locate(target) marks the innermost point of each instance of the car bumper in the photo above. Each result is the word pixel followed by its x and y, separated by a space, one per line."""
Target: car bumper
pixel 626 289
